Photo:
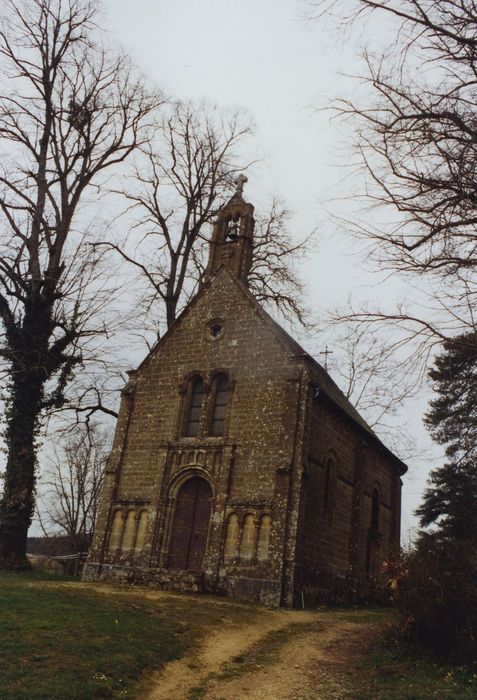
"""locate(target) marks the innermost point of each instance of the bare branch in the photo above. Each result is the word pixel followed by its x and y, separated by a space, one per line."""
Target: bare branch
pixel 70 110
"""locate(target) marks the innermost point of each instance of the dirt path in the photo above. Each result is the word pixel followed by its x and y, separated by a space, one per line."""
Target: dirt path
pixel 282 655
pixel 245 652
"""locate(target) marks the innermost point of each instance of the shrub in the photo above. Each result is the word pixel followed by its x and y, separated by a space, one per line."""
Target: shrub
pixel 435 589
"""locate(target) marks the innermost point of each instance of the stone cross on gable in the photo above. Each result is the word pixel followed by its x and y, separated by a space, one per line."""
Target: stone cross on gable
pixel 240 182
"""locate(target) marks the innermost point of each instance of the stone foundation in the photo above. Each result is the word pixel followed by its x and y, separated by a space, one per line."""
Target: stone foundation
pixel 253 590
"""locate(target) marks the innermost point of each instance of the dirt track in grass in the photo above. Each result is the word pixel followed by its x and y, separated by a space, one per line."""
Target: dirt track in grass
pixel 282 656
pixel 245 652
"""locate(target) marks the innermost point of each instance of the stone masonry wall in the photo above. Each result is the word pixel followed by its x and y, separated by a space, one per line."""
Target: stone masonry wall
pixel 343 470
pixel 249 468
pixel 292 478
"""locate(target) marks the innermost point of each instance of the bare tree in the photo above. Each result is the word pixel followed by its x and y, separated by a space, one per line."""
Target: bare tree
pixel 174 193
pixel 174 196
pixel 376 379
pixel 416 138
pixel 70 109
pixel 71 485
pixel 273 278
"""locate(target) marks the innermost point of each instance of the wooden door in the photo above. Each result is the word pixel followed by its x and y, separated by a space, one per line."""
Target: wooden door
pixel 190 526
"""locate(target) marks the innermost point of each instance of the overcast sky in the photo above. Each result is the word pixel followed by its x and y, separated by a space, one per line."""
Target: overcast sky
pixel 262 56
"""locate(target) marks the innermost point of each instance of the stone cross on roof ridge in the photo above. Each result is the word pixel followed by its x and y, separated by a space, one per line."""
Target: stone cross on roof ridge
pixel 240 182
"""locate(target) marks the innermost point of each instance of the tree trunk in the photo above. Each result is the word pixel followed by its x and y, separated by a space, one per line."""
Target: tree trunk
pixel 171 311
pixel 23 413
pixel 16 506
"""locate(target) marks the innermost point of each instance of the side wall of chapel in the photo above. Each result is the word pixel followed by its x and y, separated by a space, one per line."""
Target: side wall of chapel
pixel 341 542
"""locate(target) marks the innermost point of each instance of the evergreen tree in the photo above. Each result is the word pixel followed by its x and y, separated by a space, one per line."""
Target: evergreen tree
pixel 437 593
pixel 450 501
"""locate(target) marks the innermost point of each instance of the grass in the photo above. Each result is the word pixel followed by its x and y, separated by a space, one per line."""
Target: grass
pixel 405 672
pixel 367 615
pixel 395 670
pixel 63 642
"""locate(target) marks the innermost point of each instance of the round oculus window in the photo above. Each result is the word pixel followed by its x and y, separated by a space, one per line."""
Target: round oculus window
pixel 215 329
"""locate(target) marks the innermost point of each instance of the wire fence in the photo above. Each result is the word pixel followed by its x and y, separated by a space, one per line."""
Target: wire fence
pixel 64 564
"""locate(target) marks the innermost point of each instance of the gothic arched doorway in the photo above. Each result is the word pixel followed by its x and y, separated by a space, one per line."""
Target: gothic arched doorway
pixel 190 525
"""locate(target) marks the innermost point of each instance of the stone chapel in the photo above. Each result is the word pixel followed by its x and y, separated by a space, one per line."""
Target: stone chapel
pixel 238 466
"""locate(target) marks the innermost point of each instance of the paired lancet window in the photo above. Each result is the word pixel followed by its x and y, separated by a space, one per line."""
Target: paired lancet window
pixel 220 397
pixel 195 407
pixel 206 413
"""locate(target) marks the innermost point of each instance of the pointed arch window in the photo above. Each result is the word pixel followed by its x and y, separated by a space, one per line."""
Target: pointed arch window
pixel 328 483
pixel 221 396
pixel 375 512
pixel 195 407
pixel 373 557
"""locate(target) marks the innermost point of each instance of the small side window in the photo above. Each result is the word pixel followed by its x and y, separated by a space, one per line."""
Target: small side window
pixel 375 512
pixel 327 484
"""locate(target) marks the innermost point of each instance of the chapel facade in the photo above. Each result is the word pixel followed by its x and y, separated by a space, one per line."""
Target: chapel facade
pixel 238 466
